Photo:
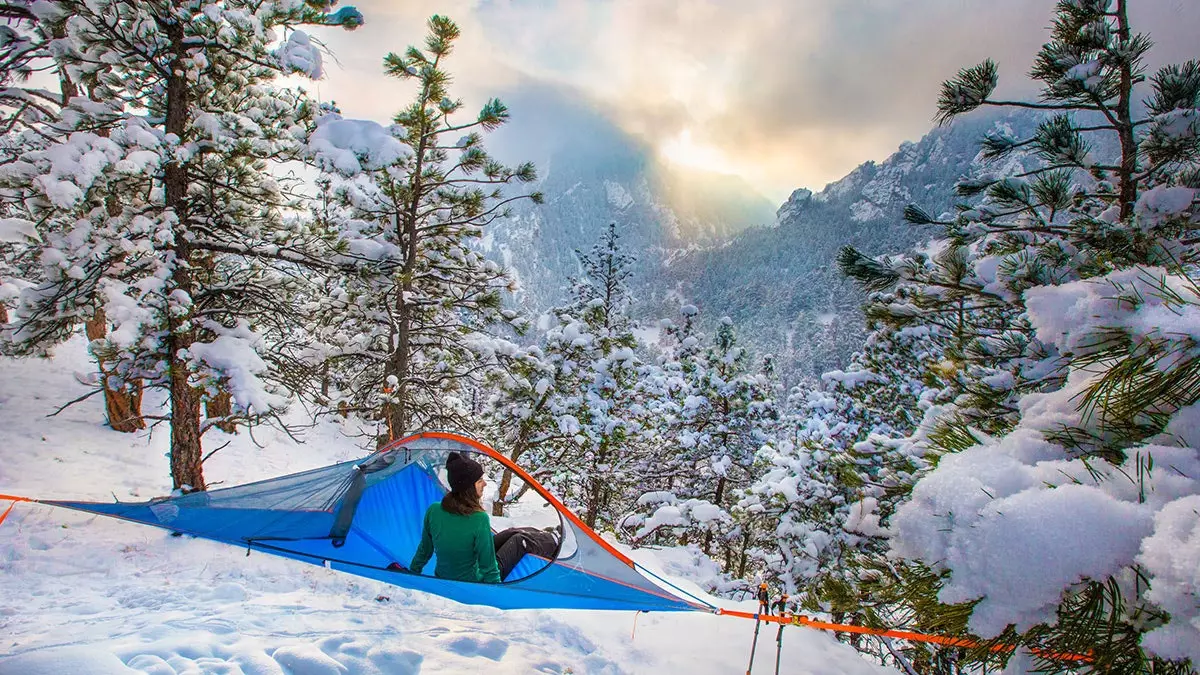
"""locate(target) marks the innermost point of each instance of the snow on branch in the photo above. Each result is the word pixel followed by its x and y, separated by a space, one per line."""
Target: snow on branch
pixel 299 54
pixel 233 358
pixel 349 147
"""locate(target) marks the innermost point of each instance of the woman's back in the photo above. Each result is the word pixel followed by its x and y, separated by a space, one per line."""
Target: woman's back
pixel 463 543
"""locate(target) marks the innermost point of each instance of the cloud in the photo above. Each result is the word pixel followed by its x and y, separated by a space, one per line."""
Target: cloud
pixel 790 92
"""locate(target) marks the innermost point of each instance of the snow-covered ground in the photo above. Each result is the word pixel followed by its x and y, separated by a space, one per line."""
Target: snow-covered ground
pixel 84 594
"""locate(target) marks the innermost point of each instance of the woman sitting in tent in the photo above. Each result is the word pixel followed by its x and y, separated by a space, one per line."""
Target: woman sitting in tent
pixel 459 531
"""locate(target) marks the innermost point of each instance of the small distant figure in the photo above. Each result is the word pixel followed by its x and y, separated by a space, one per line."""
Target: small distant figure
pixel 459 531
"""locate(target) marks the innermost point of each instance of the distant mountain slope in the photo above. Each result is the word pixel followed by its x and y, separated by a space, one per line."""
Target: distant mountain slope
pixel 781 284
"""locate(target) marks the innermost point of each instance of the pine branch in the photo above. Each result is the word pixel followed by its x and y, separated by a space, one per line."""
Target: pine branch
pixel 869 273
pixel 917 216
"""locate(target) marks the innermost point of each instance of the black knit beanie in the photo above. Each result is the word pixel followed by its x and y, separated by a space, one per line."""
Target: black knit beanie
pixel 462 472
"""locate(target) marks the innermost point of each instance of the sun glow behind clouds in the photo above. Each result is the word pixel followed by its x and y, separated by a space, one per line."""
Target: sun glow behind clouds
pixel 685 151
pixel 783 93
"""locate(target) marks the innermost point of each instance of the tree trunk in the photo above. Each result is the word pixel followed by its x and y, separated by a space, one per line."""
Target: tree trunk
pixel 593 502
pixel 1129 154
pixel 596 487
pixel 396 413
pixel 123 407
pixel 716 502
pixel 506 478
pixel 221 406
pixel 3 313
pixel 502 491
pixel 187 472
pixel 741 570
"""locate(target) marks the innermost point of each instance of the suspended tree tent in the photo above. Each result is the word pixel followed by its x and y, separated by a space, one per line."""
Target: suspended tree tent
pixel 361 516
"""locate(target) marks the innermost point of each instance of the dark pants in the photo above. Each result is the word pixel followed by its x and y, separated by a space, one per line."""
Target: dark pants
pixel 512 544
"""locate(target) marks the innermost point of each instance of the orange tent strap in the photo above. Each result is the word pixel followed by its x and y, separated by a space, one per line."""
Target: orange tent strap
pixel 14 499
pixel 898 634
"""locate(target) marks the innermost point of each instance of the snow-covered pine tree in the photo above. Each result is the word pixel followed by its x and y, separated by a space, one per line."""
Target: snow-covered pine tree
pixel 24 37
pixel 600 409
pixel 736 419
pixel 411 201
pixel 28 112
pixel 532 413
pixel 1063 502
pixel 669 387
pixel 831 473
pixel 137 210
pixel 21 110
pixel 723 411
pixel 519 414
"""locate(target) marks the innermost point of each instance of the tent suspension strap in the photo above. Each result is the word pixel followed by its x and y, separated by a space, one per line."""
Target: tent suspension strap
pixel 701 604
pixel 14 499
pixel 800 620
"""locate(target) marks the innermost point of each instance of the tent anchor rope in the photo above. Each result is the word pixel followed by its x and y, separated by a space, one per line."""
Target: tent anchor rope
pixel 800 620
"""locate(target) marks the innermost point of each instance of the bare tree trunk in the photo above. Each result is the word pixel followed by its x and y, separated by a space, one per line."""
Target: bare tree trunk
pixel 122 406
pixel 395 414
pixel 592 512
pixel 221 407
pixel 596 488
pixel 187 472
pixel 3 313
pixel 1129 154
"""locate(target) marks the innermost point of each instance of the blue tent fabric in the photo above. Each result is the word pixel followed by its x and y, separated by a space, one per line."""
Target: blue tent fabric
pixel 294 516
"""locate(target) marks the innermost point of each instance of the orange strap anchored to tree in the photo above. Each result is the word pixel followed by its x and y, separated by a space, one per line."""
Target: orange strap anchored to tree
pixel 14 499
pixel 898 634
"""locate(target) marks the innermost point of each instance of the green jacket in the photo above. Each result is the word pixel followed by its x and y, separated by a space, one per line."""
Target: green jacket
pixel 464 546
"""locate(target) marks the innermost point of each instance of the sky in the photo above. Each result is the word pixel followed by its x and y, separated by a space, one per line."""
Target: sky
pixel 784 93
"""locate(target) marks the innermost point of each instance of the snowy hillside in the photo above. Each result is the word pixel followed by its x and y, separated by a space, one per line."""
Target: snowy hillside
pixel 90 595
